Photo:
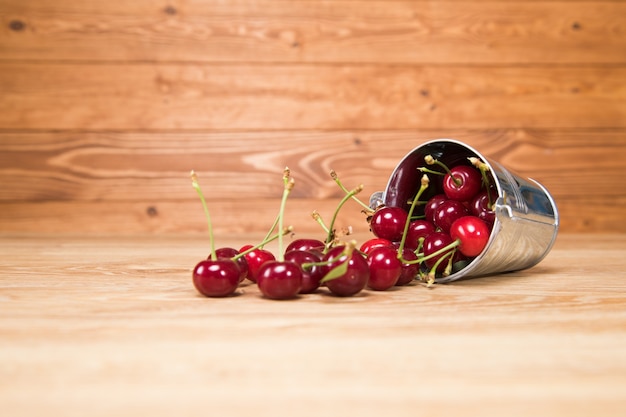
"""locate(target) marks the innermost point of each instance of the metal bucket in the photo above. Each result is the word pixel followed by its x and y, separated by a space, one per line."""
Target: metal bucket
pixel 527 219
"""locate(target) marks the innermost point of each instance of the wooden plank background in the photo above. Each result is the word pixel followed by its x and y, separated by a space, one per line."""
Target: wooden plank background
pixel 105 107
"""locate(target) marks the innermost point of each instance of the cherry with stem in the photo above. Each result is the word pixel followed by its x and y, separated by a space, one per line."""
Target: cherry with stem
pixel 366 209
pixel 460 183
pixel 424 182
pixel 215 276
pixel 256 256
pixel 280 279
pixel 483 168
pixel 331 236
pixel 347 271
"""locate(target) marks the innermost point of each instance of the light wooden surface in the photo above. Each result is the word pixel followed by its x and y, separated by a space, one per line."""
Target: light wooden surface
pixel 112 326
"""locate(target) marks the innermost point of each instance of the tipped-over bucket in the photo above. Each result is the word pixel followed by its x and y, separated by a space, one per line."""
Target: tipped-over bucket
pixel 526 217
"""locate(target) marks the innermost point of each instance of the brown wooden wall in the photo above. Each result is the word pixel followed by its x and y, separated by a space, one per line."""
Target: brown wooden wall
pixel 105 106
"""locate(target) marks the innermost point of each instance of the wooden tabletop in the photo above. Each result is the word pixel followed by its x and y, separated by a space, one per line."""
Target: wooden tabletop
pixel 112 326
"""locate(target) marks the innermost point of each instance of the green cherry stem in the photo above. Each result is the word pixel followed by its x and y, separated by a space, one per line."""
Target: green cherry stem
pixel 422 258
pixel 316 216
pixel 286 179
pixel 349 248
pixel 265 241
pixel 433 270
pixel 448 269
pixel 420 245
pixel 330 237
pixel 335 177
pixel 342 268
pixel 196 186
pixel 423 186
pixel 483 168
pixel 432 161
pixel 430 171
pixel 281 214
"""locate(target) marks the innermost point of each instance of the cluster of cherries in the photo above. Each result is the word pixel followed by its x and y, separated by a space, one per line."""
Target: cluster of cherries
pixel 449 229
pixel 434 238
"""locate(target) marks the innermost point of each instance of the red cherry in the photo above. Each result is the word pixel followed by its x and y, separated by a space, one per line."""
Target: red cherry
pixel 279 280
pixel 388 223
pixel 431 206
pixel 447 212
pixel 230 253
pixel 462 183
pixel 479 206
pixel 472 233
pixel 409 270
pixel 385 268
pixel 354 279
pixel 418 229
pixel 218 278
pixel 255 259
pixel 311 276
pixel 374 243
pixel 305 244
pixel 433 243
pixel 488 217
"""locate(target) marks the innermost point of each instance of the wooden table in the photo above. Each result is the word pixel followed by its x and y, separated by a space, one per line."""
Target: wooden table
pixel 113 327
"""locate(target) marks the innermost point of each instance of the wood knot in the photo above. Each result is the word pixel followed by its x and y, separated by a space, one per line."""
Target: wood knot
pixel 17 25
pixel 576 26
pixel 152 211
pixel 170 10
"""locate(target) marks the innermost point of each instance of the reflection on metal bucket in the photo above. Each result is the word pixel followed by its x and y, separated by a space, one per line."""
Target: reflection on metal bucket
pixel 526 222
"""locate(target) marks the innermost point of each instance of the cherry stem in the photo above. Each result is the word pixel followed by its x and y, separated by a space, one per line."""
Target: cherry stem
pixel 433 271
pixel 423 186
pixel 483 168
pixel 269 232
pixel 342 268
pixel 286 177
pixel 423 258
pixel 430 171
pixel 448 269
pixel 196 186
pixel 430 161
pixel 432 274
pixel 281 214
pixel 265 241
pixel 335 177
pixel 316 216
pixel 420 245
pixel 330 237
pixel 349 249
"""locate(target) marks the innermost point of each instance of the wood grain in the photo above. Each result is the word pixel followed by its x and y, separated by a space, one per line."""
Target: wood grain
pixel 125 178
pixel 106 106
pixel 113 326
pixel 283 97
pixel 443 32
pixel 255 215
